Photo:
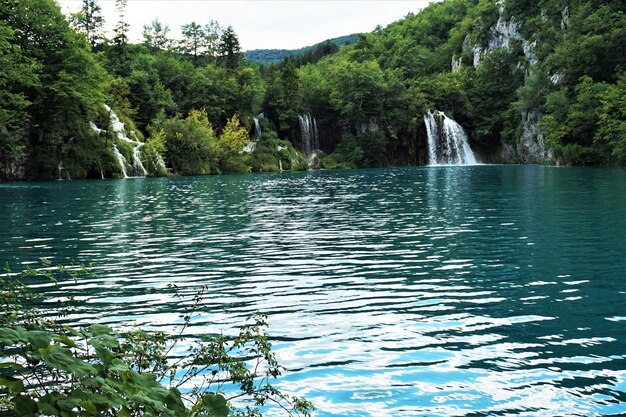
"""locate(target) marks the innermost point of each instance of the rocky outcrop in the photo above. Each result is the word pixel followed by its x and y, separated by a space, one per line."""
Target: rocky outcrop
pixel 530 148
pixel 369 126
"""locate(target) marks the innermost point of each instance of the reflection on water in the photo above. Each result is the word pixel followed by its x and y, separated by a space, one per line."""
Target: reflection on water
pixel 402 292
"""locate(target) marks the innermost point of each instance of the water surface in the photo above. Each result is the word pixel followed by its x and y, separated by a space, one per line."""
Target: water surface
pixel 452 291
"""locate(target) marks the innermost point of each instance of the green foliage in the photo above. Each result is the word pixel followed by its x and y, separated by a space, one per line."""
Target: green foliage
pixel 51 369
pixel 155 35
pixel 233 139
pixel 270 150
pixel 52 83
pixel 308 54
pixel 611 132
pixel 348 154
pixel 66 84
pixel 358 90
pixel 574 154
pixel 229 50
pixel 491 95
pixel 153 152
pixel 89 22
pixel 192 147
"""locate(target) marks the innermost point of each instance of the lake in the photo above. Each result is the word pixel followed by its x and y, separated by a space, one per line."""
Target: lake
pixel 443 291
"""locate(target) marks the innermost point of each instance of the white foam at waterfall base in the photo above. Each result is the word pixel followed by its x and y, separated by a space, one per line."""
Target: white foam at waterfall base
pixel 447 141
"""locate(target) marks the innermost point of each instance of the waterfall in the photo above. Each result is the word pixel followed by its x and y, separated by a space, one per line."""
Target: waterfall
pixel 95 128
pixel 250 147
pixel 138 170
pixel 160 163
pixel 257 129
pixel 447 141
pixel 308 132
pixel 121 160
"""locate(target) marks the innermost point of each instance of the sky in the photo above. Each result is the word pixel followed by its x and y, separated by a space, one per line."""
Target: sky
pixel 261 24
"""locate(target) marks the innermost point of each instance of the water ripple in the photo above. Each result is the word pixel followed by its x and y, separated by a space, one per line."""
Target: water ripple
pixel 442 292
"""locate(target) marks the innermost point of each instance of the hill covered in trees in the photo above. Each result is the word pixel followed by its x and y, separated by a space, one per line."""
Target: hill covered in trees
pixel 530 81
pixel 315 52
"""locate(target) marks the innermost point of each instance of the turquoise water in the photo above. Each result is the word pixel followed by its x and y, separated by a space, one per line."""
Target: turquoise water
pixel 461 291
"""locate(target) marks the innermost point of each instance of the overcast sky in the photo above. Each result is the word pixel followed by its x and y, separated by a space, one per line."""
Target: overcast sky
pixel 262 24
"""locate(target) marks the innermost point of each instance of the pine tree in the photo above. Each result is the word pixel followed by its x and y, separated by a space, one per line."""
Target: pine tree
pixel 212 35
pixel 229 49
pixel 193 40
pixel 89 21
pixel 121 33
pixel 155 35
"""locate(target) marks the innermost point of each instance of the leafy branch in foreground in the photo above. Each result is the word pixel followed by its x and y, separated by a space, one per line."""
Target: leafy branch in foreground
pixel 48 369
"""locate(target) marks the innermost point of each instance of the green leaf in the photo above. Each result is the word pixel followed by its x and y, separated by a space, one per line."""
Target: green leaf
pixel 89 407
pixel 65 340
pixel 214 405
pixel 14 384
pixel 123 412
pixel 48 409
pixel 25 405
pixel 39 339
pixel 9 336
pixel 99 330
pixel 61 358
pixel 118 365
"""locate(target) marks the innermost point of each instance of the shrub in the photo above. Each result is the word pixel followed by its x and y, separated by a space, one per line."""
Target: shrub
pixel 47 368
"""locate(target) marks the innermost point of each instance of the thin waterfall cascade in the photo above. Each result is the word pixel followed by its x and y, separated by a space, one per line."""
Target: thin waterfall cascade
pixel 137 164
pixel 309 134
pixel 447 141
pixel 257 130
pixel 95 128
pixel 160 163
pixel 61 168
pixel 121 160
pixel 117 127
pixel 250 147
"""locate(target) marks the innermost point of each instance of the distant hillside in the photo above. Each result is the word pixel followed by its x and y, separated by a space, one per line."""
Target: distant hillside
pixel 266 56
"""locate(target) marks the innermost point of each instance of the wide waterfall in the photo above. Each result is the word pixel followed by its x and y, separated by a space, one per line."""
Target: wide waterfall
pixel 447 141
pixel 308 131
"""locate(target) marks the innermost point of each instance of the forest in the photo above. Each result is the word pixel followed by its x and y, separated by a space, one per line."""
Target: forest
pixel 530 81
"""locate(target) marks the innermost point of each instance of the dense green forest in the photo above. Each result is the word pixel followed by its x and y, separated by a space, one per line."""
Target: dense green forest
pixel 530 81
pixel 268 56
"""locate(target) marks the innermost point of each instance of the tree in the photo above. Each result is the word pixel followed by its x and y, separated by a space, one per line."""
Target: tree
pixel 212 34
pixel 358 91
pixel 69 89
pixel 89 21
pixel 231 142
pixel 121 33
pixel 234 136
pixel 155 35
pixel 230 55
pixel 51 369
pixel 17 74
pixel 193 40
pixel 612 124
pixel 192 147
